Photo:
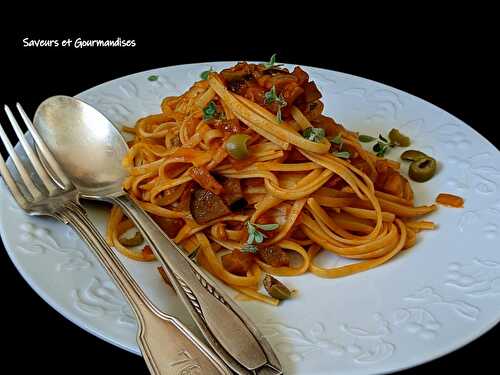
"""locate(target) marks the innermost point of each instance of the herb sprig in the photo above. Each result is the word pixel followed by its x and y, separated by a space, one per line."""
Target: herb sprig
pixel 366 138
pixel 314 134
pixel 396 138
pixel 342 154
pixel 272 97
pixel 381 147
pixel 210 111
pixel 255 236
pixel 338 141
pixel 272 64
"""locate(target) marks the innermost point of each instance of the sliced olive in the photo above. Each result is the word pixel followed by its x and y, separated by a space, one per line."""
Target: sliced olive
pixel 133 241
pixel 399 138
pixel 412 155
pixel 236 146
pixel 276 288
pixel 422 169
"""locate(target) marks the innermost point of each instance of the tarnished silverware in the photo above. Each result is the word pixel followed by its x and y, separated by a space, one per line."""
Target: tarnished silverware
pixel 168 347
pixel 90 149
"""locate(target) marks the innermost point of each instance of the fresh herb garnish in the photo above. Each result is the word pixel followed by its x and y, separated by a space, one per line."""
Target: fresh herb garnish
pixel 366 138
pixel 272 226
pixel 337 140
pixel 209 111
pixel 272 97
pixel 153 78
pixel 381 148
pixel 314 134
pixel 382 138
pixel 204 75
pixel 248 248
pixel 382 145
pixel 255 236
pixel 272 63
pixel 337 151
pixel 342 154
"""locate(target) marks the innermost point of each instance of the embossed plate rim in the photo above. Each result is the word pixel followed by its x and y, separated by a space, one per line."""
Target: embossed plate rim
pixel 364 82
pixel 73 318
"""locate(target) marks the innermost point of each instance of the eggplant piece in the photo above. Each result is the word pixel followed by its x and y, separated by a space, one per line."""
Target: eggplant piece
pixel 238 263
pixel 206 206
pixel 241 71
pixel 274 256
pixel 237 86
pixel 169 225
pixel 311 92
pixel 302 77
pixel 233 195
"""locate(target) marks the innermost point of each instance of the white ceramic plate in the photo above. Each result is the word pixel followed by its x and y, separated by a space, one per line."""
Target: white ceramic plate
pixel 426 302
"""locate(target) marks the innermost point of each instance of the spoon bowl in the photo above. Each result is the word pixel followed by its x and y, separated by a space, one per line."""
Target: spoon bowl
pixel 85 143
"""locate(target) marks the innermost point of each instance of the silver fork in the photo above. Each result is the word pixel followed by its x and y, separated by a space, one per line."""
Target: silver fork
pixel 168 347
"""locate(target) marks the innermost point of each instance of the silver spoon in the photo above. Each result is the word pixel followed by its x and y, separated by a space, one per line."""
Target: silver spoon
pixel 162 339
pixel 90 149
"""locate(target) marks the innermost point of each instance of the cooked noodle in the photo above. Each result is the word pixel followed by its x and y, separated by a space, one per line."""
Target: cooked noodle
pixel 320 201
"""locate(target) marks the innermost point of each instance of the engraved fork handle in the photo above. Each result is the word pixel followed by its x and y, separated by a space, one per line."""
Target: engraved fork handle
pixel 168 347
pixel 226 327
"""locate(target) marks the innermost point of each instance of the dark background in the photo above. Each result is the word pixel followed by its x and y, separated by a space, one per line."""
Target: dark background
pixel 448 64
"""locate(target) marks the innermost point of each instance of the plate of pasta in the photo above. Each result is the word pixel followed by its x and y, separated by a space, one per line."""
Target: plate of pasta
pixel 355 223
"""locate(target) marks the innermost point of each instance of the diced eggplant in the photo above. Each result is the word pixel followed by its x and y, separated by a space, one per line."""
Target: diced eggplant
pixel 233 194
pixel 237 262
pixel 311 92
pixel 274 256
pixel 206 206
pixel 237 75
pixel 302 77
pixel 241 71
pixel 237 86
pixel 169 225
pixel 291 92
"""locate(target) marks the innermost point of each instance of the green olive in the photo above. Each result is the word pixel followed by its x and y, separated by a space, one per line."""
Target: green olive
pixel 422 169
pixel 276 288
pixel 236 146
pixel 412 155
pixel 395 136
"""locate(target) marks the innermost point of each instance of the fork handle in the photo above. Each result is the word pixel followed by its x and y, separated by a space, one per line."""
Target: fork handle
pixel 167 346
pixel 232 335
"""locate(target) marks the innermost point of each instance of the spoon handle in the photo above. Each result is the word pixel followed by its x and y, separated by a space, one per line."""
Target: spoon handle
pixel 167 346
pixel 226 327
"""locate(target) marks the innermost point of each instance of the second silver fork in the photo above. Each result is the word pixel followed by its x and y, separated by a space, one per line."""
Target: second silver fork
pixel 168 347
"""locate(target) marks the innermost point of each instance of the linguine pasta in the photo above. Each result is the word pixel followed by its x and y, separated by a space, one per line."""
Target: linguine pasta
pixel 309 193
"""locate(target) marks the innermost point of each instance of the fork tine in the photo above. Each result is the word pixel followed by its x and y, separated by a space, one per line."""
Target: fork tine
pixel 42 173
pixel 35 193
pixel 44 150
pixel 11 184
